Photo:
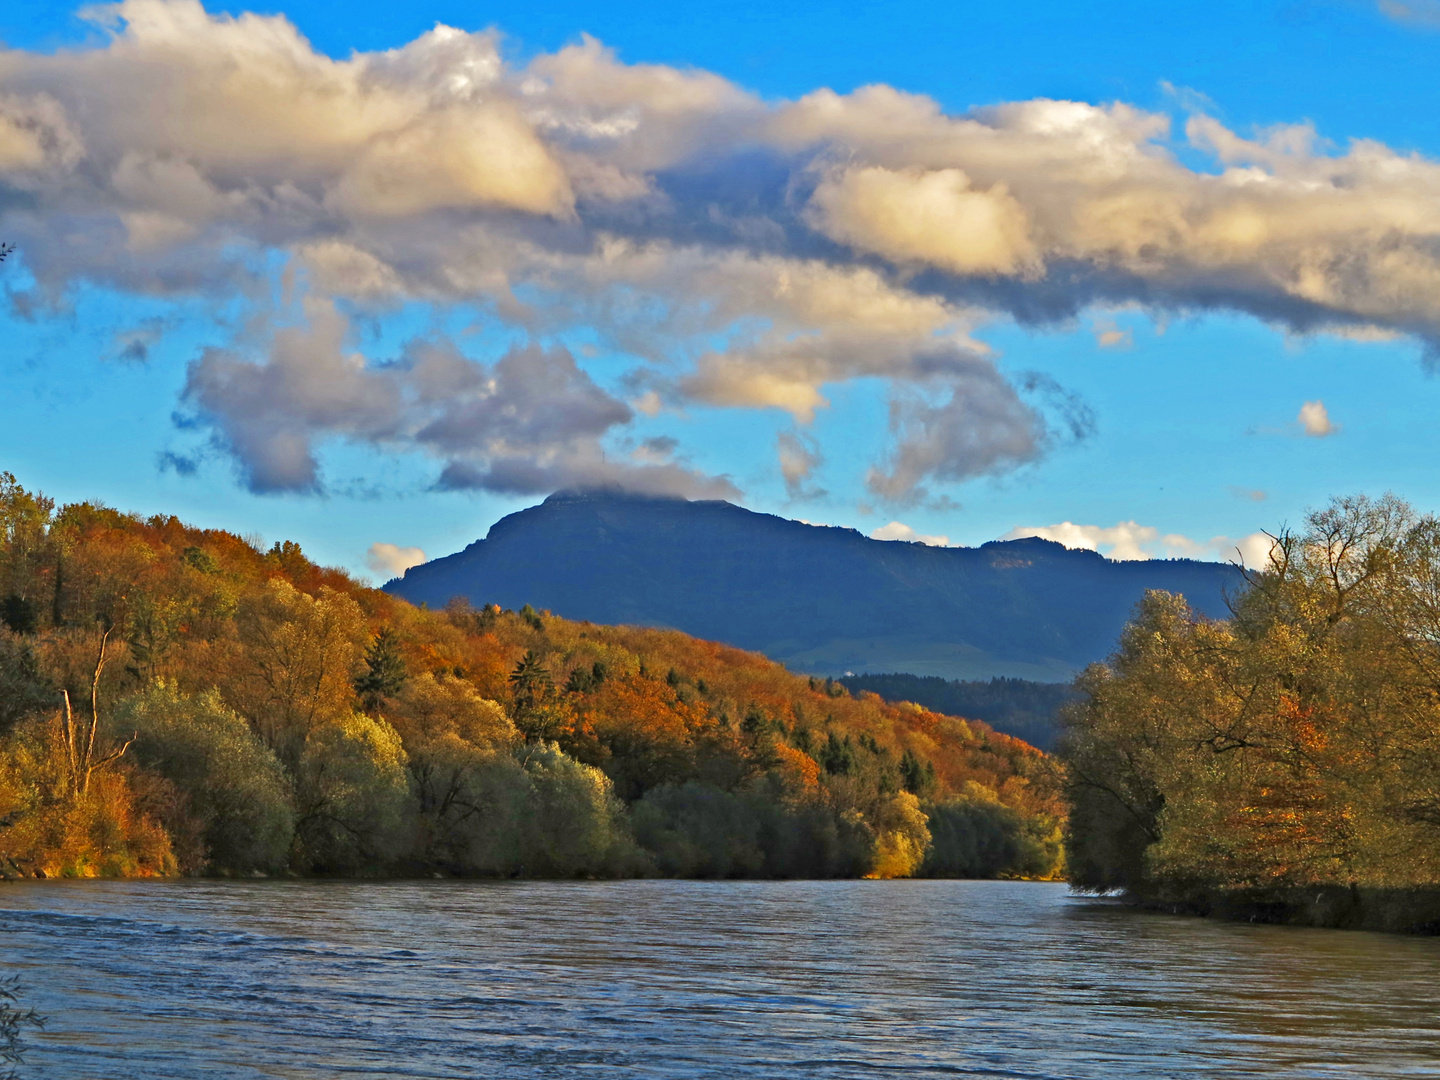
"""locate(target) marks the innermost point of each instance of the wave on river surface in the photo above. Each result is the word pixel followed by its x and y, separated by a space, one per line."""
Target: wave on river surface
pixel 306 979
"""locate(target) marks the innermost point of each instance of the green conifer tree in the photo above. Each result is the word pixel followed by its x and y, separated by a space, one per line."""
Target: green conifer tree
pixel 385 673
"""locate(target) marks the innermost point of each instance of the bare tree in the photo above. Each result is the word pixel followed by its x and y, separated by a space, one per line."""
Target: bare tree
pixel 80 743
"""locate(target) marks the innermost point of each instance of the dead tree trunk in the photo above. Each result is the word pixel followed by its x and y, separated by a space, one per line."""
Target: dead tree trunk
pixel 80 745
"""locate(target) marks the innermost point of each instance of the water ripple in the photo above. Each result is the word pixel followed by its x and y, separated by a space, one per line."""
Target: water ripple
pixel 824 980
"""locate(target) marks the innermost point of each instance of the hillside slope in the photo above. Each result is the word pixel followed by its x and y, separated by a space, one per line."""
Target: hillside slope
pixel 819 599
pixel 253 712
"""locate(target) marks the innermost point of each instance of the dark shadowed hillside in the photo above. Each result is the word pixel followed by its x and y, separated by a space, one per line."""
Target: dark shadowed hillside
pixel 820 599
pixel 1018 707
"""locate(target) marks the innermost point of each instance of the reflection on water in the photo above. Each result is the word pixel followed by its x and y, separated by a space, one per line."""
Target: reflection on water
pixel 681 979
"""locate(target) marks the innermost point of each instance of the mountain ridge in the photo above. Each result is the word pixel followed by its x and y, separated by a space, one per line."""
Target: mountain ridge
pixel 822 599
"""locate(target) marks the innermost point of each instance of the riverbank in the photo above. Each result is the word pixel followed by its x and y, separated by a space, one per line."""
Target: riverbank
pixel 1390 911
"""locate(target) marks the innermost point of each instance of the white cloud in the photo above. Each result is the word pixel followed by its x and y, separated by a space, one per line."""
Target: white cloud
pixel 392 559
pixel 658 450
pixel 1255 550
pixel 984 426
pixel 1129 540
pixel 898 530
pixel 742 253
pixel 1314 418
pixel 927 217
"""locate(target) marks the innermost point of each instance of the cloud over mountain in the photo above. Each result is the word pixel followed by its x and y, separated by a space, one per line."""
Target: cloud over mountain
pixel 1129 541
pixel 742 253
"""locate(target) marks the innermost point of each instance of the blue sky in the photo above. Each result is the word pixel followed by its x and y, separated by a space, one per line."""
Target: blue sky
pixel 152 376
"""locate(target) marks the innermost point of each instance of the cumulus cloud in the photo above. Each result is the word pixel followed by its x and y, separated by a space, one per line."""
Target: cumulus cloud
pixel 898 530
pixel 268 413
pixel 742 253
pixel 392 559
pixel 530 423
pixel 657 450
pixel 1249 494
pixel 983 426
pixel 1129 540
pixel 1315 420
pixel 965 435
pixel 799 458
pixel 928 217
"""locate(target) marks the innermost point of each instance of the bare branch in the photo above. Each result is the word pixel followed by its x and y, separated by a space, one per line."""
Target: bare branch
pixel 67 731
pixel 94 711
pixel 115 755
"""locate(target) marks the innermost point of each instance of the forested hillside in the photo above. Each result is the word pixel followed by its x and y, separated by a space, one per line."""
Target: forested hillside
pixel 1284 763
pixel 176 700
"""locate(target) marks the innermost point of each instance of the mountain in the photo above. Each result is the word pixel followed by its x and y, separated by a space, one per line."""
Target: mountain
pixel 820 599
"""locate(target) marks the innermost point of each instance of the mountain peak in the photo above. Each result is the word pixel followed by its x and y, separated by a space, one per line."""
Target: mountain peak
pixel 607 493
pixel 821 599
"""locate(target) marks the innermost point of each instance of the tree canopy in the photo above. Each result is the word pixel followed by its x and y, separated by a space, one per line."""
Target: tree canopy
pixel 1292 747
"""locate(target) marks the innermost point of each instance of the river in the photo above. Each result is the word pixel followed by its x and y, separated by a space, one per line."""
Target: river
pixel 696 979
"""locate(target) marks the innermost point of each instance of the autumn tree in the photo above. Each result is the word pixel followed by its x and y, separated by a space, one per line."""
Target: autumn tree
pixel 25 688
pixel 1292 746
pixel 235 789
pixel 27 556
pixel 299 656
pixel 532 692
pixel 352 788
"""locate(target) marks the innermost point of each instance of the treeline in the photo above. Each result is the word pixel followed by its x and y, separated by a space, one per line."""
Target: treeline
pixel 1284 763
pixel 1019 707
pixel 180 701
